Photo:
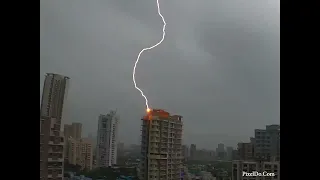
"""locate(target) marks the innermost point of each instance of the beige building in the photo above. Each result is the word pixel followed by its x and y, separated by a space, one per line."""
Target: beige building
pixel 161 146
pixel 267 170
pixel 80 152
pixel 74 131
pixel 51 138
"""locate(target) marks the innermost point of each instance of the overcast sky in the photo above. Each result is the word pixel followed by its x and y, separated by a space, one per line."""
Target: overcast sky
pixel 218 67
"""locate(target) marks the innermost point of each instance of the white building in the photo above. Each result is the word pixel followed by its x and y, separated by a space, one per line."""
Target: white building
pixel 107 139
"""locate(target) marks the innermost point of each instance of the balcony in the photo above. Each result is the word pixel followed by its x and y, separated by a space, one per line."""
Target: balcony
pixel 155 135
pixel 154 141
pixel 55 175
pixel 56 141
pixel 163 157
pixel 155 123
pixel 154 156
pixel 55 165
pixel 153 168
pixel 55 159
pixel 164 130
pixel 56 149
pixel 154 151
pixel 163 174
pixel 154 129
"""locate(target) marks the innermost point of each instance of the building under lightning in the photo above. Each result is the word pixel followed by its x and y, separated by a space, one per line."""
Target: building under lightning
pixel 161 146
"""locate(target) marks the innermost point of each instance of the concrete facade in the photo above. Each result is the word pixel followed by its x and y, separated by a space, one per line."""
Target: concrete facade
pixel 161 146
pixel 80 152
pixel 107 137
pixel 51 138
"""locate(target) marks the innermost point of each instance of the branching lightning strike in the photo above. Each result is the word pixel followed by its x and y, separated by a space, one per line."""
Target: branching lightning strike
pixel 145 49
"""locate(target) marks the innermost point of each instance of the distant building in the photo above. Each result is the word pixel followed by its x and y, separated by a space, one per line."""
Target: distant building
pixel 205 155
pixel 220 147
pixel 229 153
pixel 80 152
pixel 161 146
pixel 220 152
pixel 272 169
pixel 74 131
pixel 212 155
pixel 93 140
pixel 120 149
pixel 245 151
pixel 135 148
pixel 193 152
pixel 107 140
pixel 267 142
pixel 185 152
pixel 51 115
pixel 235 154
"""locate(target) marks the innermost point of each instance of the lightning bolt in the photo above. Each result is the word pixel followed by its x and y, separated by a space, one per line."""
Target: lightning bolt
pixel 146 49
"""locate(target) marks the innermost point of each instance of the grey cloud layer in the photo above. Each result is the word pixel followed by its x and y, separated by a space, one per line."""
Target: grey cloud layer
pixel 219 65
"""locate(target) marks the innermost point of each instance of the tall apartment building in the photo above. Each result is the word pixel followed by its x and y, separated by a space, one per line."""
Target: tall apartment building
pixel 193 152
pixel 267 142
pixel 270 170
pixel 80 152
pixel 245 151
pixel 161 146
pixel 51 138
pixel 106 151
pixel 74 131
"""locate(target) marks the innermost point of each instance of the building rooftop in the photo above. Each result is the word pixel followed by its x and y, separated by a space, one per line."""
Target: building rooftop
pixel 161 114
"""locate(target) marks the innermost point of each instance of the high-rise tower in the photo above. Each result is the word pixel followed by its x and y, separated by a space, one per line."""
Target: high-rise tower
pixel 107 139
pixel 51 138
pixel 161 146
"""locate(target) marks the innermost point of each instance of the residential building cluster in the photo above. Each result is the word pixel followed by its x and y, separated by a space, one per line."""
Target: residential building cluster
pixel 64 144
pixel 221 153
pixel 260 155
pixel 162 155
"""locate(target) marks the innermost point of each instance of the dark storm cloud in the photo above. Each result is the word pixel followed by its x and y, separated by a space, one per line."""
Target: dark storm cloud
pixel 218 66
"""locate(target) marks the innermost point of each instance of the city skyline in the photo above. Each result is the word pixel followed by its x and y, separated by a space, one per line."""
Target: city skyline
pixel 231 60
